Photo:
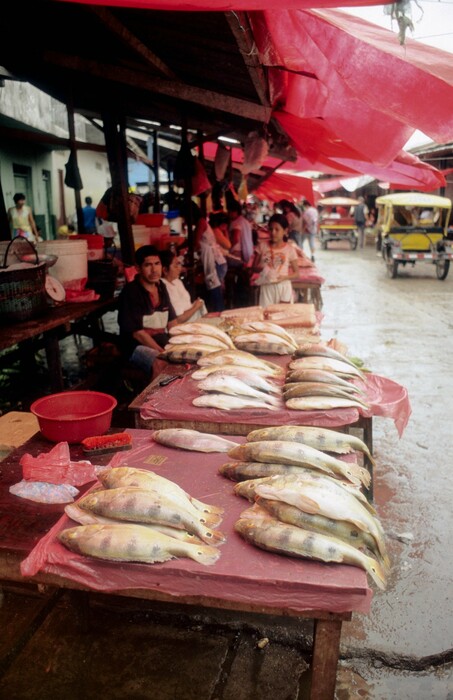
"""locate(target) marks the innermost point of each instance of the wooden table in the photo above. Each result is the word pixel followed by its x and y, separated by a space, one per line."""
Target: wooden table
pixel 59 320
pixel 23 524
pixel 308 292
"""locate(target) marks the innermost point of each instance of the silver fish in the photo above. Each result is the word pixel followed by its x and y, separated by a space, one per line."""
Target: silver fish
pixel 237 357
pixel 312 350
pixel 322 403
pixel 226 402
pixel 189 339
pixel 265 339
pixel 263 348
pixel 319 375
pixel 301 455
pixel 301 389
pixel 203 372
pixel 133 543
pixel 327 364
pixel 322 439
pixel 227 384
pixel 250 377
pixel 185 439
pixel 269 327
pixel 185 353
pixel 202 329
pixel 264 531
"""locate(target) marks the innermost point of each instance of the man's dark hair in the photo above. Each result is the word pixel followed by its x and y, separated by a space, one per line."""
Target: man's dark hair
pixel 306 202
pixel 18 196
pixel 145 252
pixel 88 201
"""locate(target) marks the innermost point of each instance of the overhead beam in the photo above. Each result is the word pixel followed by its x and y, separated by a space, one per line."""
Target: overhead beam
pixel 242 32
pixel 109 20
pixel 175 89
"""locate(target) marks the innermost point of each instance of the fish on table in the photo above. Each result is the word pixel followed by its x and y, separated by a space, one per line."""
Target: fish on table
pixel 320 376
pixel 143 506
pixel 305 389
pixel 316 349
pixel 263 348
pixel 186 439
pixel 265 338
pixel 227 402
pixel 133 543
pixel 338 503
pixel 226 384
pixel 192 339
pixel 239 357
pixel 118 477
pixel 244 471
pixel 84 517
pixel 327 364
pixel 322 439
pixel 322 403
pixel 302 455
pixel 203 329
pixel 269 327
pixel 258 527
pixel 178 354
pixel 252 377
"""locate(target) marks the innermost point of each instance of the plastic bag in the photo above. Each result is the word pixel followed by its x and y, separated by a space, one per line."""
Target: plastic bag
pixel 55 467
pixel 43 492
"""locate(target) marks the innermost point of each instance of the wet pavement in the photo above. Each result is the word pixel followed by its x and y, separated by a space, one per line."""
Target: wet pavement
pixel 403 649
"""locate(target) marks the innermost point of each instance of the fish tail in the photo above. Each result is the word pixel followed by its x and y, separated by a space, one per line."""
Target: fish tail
pixel 205 554
pixel 376 572
pixel 210 520
pixel 205 507
pixel 212 537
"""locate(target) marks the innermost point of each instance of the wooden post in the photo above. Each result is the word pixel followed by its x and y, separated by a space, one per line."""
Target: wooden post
pixel 73 149
pixel 203 195
pixel 156 163
pixel 189 220
pixel 116 154
pixel 5 232
pixel 326 650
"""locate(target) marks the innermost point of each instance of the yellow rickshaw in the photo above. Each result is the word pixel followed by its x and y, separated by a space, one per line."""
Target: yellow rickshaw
pixel 413 226
pixel 336 222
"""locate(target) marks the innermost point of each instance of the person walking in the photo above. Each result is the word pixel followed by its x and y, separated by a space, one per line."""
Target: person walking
pixel 310 219
pixel 360 216
pixel 89 216
pixel 21 219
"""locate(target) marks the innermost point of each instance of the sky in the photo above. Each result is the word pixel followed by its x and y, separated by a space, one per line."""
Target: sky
pixel 433 25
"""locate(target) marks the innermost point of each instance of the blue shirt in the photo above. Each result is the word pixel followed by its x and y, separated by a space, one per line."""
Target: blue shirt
pixel 89 219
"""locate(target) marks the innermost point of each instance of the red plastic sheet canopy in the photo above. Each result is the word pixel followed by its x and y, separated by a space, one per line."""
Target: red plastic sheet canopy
pixel 285 186
pixel 221 5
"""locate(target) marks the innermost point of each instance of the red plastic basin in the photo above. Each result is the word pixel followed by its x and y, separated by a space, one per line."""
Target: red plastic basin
pixel 72 416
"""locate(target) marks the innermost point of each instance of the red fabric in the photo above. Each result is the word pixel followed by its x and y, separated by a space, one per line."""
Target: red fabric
pixel 221 5
pixel 279 186
pixel 243 573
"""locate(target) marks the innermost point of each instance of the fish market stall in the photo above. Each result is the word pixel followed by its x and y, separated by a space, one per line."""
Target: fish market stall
pixel 243 578
pixel 168 404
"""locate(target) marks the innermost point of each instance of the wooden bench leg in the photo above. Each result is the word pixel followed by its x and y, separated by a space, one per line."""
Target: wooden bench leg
pixel 326 650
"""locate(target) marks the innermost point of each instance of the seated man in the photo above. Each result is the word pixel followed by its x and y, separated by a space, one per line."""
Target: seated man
pixel 145 312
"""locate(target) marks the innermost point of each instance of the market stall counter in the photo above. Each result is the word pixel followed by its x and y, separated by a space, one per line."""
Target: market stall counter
pixel 244 578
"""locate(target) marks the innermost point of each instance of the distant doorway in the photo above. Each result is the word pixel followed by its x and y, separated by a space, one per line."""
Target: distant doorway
pixel 23 182
pixel 49 230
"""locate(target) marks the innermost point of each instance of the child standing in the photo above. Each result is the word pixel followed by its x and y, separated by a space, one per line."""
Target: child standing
pixel 276 261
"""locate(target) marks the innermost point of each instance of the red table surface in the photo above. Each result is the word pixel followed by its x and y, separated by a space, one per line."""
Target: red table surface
pixel 243 574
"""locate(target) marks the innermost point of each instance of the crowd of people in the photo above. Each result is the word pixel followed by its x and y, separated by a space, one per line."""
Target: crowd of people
pixel 233 255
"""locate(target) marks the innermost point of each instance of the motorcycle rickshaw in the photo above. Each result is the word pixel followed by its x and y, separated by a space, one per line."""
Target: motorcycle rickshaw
pixel 336 222
pixel 413 227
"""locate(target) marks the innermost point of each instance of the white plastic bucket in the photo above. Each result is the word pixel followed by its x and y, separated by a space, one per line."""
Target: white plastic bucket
pixel 72 263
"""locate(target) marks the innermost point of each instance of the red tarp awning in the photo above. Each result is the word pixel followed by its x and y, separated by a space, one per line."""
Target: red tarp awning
pixel 285 186
pixel 222 5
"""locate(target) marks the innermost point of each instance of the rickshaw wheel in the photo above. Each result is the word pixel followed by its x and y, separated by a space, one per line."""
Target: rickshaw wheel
pixel 390 264
pixel 442 268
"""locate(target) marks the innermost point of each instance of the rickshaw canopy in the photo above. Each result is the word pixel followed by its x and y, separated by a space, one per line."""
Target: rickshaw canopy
pixel 414 199
pixel 337 202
